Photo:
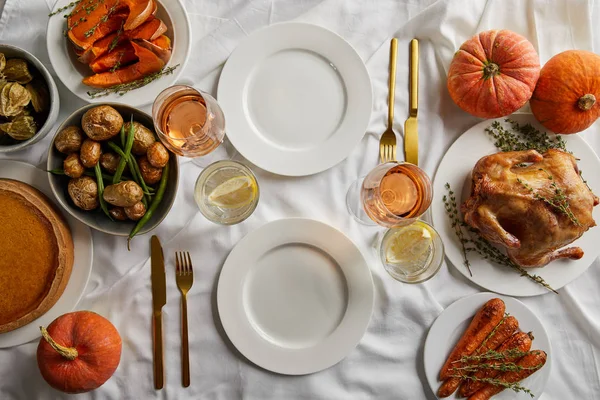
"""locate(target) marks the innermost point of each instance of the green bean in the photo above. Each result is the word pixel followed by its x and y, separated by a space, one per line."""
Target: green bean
pixel 122 134
pixel 135 171
pixel 100 183
pixel 126 153
pixel 162 186
pixel 139 174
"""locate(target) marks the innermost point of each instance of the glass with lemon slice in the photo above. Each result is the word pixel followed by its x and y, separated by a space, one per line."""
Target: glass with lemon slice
pixel 412 253
pixel 226 192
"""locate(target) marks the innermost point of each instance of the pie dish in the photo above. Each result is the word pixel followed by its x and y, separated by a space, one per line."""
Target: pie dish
pixel 37 254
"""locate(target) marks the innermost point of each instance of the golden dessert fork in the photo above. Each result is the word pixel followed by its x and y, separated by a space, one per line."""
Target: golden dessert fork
pixel 184 276
pixel 387 143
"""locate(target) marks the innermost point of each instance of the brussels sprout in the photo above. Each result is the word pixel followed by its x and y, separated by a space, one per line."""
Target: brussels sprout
pixel 13 97
pixel 16 70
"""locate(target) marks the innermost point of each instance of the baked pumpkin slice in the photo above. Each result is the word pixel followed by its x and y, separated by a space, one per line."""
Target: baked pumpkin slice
pixel 37 254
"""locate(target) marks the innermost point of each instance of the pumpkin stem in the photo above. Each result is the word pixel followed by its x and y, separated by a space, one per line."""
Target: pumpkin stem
pixel 586 102
pixel 70 353
pixel 490 70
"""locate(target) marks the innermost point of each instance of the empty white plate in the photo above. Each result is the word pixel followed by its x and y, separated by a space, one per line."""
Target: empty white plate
pixel 297 98
pixel 295 296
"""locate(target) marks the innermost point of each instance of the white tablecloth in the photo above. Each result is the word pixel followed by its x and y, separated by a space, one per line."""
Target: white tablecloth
pixel 387 364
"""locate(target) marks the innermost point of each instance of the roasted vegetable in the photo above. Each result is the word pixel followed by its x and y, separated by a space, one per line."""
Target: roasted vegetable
pixel 101 123
pixel 40 98
pixel 90 153
pixel 124 194
pixel 110 162
pixel 157 154
pixel 84 192
pixel 72 166
pixel 16 70
pixel 118 213
pixel 13 97
pixel 143 138
pixel 150 174
pixel 69 140
pixel 136 211
pixel 21 128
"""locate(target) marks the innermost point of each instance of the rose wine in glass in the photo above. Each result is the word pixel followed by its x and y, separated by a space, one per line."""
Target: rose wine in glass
pixel 189 122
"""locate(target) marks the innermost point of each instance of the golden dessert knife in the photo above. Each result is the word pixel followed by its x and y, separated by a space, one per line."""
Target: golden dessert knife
pixel 411 126
pixel 159 299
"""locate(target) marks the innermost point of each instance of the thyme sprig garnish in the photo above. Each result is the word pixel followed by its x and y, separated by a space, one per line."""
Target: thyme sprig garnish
pixel 126 87
pixel 472 241
pixel 504 367
pixel 491 355
pixel 482 345
pixel 457 224
pixel 65 8
pixel 118 63
pixel 558 201
pixel 523 137
pixel 102 20
pixel 117 38
pixel 514 386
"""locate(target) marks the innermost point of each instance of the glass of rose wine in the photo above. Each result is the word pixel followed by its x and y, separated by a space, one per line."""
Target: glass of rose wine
pixel 189 122
pixel 391 195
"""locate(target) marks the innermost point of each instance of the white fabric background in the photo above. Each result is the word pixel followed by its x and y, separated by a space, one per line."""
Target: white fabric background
pixel 387 364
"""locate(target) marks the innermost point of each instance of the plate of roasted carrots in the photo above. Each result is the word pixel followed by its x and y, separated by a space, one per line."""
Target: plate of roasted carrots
pixel 118 50
pixel 487 346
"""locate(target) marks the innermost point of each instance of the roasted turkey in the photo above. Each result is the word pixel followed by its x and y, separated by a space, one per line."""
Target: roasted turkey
pixel 530 203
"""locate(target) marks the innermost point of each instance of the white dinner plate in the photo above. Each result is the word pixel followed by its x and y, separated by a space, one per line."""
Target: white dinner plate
pixel 297 98
pixel 82 266
pixel 455 169
pixel 295 296
pixel 71 72
pixel 454 320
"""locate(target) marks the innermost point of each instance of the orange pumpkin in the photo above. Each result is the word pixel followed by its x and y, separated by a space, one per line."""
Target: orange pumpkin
pixel 78 352
pixel 565 98
pixel 493 74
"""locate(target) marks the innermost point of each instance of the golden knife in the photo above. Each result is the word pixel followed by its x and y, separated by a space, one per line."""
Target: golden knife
pixel 159 299
pixel 411 126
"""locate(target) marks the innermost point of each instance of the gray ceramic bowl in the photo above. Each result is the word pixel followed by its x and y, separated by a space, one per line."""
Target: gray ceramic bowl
pixel 95 218
pixel 15 52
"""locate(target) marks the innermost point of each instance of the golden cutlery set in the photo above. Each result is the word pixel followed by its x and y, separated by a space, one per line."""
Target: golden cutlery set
pixel 387 142
pixel 184 277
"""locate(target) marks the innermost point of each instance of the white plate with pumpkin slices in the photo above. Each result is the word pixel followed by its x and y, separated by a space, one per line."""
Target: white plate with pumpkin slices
pixel 455 170
pixel 80 271
pixel 157 29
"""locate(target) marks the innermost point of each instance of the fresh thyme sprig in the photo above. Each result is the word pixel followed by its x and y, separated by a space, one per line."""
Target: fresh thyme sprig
pixel 493 355
pixel 504 367
pixel 558 201
pixel 514 386
pixel 452 211
pixel 126 87
pixel 523 137
pixel 482 345
pixel 116 39
pixel 65 8
pixel 475 242
pixel 118 63
pixel 102 20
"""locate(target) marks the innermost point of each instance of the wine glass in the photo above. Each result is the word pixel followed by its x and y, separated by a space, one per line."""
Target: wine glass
pixel 391 195
pixel 189 122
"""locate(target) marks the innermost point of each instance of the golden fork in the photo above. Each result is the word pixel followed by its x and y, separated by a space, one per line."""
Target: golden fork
pixel 184 276
pixel 387 143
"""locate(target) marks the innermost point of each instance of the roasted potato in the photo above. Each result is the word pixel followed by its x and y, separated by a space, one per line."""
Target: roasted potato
pixel 69 140
pixel 84 192
pixel 158 155
pixel 143 138
pixel 101 123
pixel 150 174
pixel 110 162
pixel 72 166
pixel 124 194
pixel 118 213
pixel 90 153
pixel 136 211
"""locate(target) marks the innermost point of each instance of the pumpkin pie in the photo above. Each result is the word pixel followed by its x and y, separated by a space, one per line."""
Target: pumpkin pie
pixel 36 254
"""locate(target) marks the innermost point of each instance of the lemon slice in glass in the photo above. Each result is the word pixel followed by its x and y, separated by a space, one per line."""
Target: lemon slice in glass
pixel 408 244
pixel 235 192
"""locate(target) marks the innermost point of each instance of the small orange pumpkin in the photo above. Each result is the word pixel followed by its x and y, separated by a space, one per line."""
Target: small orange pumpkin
pixel 78 352
pixel 493 74
pixel 566 97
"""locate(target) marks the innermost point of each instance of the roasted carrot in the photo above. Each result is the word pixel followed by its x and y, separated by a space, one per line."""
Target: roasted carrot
pixel 501 332
pixel 532 362
pixel 519 341
pixel 480 327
